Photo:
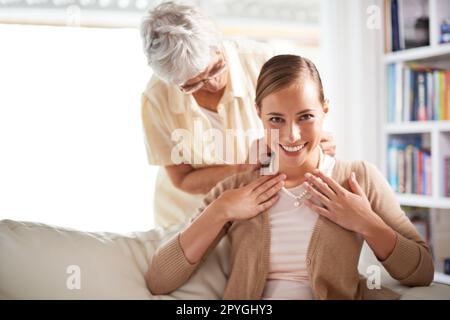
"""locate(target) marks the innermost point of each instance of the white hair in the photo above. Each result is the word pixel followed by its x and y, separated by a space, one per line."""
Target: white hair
pixel 178 40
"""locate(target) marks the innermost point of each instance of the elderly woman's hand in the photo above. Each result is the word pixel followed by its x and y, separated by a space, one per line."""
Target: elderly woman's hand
pixel 328 144
pixel 248 201
pixel 350 210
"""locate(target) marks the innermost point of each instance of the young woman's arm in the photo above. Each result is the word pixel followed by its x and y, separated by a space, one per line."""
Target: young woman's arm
pixel 175 261
pixel 410 260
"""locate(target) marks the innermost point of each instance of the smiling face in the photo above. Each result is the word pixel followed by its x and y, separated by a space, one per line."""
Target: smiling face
pixel 298 114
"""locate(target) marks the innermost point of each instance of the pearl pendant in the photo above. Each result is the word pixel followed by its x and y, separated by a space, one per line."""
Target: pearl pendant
pixel 296 203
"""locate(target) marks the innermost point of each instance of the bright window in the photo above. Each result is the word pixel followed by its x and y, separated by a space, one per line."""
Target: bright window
pixel 71 141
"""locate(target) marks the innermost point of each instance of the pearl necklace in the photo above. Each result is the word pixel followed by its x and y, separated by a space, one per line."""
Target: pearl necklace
pixel 298 198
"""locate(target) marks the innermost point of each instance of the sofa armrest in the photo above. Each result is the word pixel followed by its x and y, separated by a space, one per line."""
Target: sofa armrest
pixel 435 291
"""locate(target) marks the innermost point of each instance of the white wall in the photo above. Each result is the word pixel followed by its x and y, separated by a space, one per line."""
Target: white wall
pixel 351 62
pixel 71 140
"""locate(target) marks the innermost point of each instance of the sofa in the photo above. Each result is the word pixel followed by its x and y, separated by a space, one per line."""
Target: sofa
pixel 41 261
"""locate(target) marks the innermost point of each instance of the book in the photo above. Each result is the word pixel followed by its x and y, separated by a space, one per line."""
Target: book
pixel 391 93
pixel 417 93
pixel 401 171
pixel 387 26
pixel 409 164
pixel 409 150
pixel 436 100
pixel 446 177
pixel 407 94
pixel 429 96
pixel 398 90
pixel 446 112
pixel 428 173
pixel 392 169
pixel 395 26
pixel 415 171
pixel 441 95
pixel 421 98
pixel 420 172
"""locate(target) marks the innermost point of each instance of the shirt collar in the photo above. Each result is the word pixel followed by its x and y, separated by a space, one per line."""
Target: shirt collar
pixel 179 102
pixel 235 70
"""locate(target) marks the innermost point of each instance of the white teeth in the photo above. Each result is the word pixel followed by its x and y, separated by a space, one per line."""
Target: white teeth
pixel 293 149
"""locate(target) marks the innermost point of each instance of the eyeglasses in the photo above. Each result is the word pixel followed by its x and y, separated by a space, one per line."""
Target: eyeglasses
pixel 216 71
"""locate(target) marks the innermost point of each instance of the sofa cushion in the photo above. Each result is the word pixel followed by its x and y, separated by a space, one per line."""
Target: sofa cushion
pixel 40 261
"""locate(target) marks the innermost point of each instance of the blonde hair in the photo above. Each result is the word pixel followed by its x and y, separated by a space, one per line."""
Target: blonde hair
pixel 284 70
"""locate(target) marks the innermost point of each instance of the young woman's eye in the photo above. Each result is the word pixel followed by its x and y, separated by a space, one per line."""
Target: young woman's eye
pixel 276 120
pixel 306 117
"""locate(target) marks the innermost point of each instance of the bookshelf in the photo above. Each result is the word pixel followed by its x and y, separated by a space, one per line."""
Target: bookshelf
pixel 415 116
pixel 418 53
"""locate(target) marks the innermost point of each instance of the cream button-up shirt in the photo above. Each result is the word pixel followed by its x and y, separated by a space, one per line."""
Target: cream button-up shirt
pixel 175 127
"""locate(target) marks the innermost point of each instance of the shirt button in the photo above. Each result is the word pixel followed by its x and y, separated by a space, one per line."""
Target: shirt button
pixel 308 261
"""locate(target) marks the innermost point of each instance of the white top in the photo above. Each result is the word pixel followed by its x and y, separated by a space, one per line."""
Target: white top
pixel 213 118
pixel 291 230
pixel 216 124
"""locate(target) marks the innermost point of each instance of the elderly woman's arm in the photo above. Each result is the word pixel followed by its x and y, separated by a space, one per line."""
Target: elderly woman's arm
pixel 175 261
pixel 202 180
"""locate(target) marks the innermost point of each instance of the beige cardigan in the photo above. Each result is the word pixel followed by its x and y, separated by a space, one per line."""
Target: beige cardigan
pixel 332 256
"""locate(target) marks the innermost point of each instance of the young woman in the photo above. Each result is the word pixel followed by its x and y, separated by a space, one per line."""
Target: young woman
pixel 297 235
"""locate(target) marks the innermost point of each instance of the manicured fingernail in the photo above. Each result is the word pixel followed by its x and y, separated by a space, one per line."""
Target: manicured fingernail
pixel 353 176
pixel 307 175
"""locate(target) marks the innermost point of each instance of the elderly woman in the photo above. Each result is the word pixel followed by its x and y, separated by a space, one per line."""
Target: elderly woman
pixel 200 83
pixel 297 235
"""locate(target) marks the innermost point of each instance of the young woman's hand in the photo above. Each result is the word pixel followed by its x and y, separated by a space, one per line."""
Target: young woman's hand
pixel 328 144
pixel 350 210
pixel 248 201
